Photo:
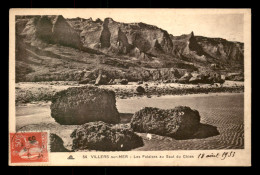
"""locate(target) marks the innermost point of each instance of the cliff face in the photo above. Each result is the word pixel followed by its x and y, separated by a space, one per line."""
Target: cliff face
pixel 142 40
pixel 221 49
pixel 50 29
pixel 209 50
pixel 135 39
pixel 52 47
pixel 64 34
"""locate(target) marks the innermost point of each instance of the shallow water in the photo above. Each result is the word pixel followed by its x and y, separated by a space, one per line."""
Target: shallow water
pixel 225 111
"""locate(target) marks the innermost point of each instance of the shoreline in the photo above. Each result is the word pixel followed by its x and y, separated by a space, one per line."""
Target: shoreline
pixel 44 103
pixel 187 95
pixel 179 92
pixel 27 92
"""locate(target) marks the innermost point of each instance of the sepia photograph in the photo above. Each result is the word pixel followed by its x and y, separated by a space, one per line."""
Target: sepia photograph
pixel 129 81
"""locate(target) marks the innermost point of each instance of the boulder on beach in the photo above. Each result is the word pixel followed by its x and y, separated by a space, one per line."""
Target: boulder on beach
pixel 174 80
pixel 196 79
pixel 124 81
pixel 167 81
pixel 206 78
pixel 120 81
pixel 235 76
pixel 140 90
pixel 101 80
pixel 209 80
pixel 105 137
pixel 238 78
pixel 56 144
pixel 85 81
pixel 78 105
pixel 116 81
pixel 185 78
pixel 221 81
pixel 180 123
pixel 111 81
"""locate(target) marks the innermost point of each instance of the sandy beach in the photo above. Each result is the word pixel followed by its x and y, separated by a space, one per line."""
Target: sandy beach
pixel 223 110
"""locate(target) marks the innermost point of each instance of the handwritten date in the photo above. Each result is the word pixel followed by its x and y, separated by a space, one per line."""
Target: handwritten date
pixel 221 156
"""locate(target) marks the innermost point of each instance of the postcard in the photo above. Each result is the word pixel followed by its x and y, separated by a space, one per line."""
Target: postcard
pixel 130 87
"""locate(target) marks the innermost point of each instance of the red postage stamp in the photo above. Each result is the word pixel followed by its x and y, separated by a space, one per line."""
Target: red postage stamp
pixel 29 147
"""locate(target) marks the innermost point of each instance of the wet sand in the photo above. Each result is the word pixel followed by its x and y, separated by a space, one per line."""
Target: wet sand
pixel 223 110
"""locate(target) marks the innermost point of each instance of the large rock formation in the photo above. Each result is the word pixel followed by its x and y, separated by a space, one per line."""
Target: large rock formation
pixel 105 137
pixel 135 39
pixel 208 50
pixel 141 40
pixel 136 51
pixel 79 105
pixel 64 34
pixel 180 123
pixel 105 35
pixel 51 29
pixel 221 50
pixel 44 29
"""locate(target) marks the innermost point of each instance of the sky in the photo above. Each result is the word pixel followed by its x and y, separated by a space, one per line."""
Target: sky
pixel 223 24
